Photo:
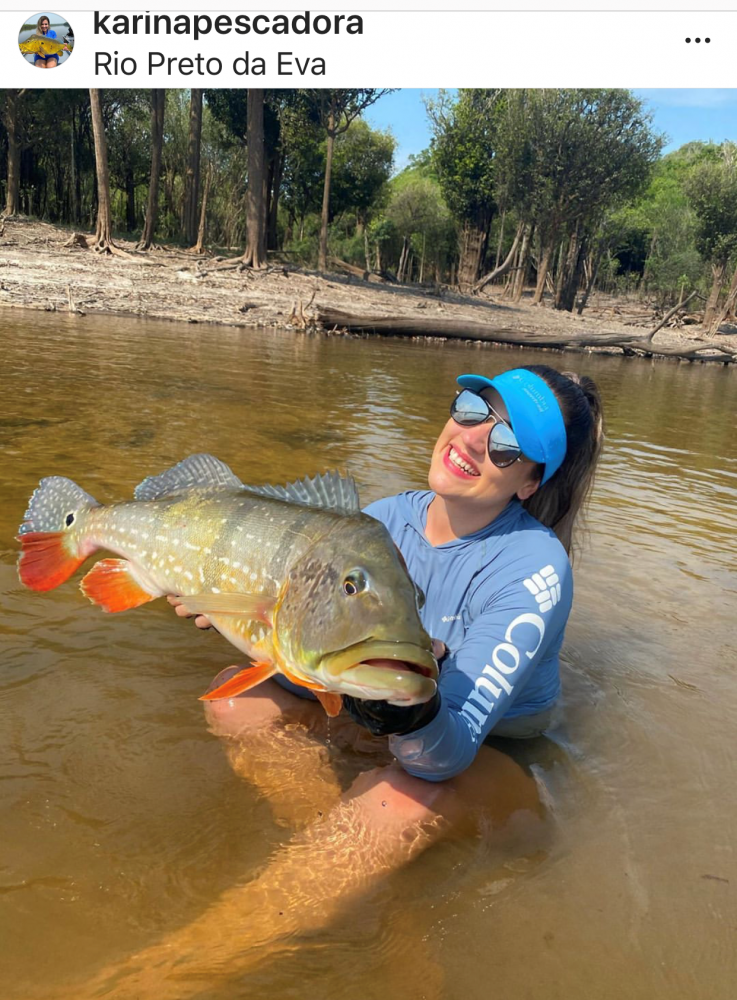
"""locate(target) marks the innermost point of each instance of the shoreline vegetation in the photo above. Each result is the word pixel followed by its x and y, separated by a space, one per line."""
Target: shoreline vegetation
pixel 49 268
pixel 545 218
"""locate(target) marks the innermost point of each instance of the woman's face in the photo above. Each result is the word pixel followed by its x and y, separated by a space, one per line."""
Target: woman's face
pixel 461 468
pixel 44 26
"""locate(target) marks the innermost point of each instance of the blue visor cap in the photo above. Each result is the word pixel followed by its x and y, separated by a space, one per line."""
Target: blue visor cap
pixel 534 414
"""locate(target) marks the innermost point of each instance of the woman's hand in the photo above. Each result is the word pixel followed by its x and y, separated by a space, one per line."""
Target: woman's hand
pixel 383 719
pixel 201 621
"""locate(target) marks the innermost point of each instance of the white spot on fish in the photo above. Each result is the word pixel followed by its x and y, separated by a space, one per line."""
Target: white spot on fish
pixel 188 574
pixel 215 590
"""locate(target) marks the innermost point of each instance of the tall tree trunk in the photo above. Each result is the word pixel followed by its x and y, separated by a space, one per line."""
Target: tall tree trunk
pixel 103 231
pixel 130 199
pixel 721 315
pixel 474 238
pixel 322 259
pixel 719 272
pixel 570 271
pixel 158 100
pixel 403 258
pixel 200 244
pixel 255 255
pixel 10 118
pixel 500 241
pixel 75 212
pixel 543 265
pixel 276 178
pixel 192 176
pixel 519 276
pixel 591 282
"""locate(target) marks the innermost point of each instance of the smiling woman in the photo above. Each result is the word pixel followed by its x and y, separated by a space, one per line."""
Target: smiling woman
pixel 497 587
pixel 488 547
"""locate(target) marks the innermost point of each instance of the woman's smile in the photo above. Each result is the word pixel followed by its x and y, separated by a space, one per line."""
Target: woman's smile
pixel 459 463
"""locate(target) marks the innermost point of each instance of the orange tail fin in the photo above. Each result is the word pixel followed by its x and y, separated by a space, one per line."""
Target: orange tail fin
pixel 46 561
pixel 241 681
pixel 110 584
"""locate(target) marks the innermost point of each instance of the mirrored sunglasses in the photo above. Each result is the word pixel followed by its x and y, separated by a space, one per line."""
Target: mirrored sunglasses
pixel 469 409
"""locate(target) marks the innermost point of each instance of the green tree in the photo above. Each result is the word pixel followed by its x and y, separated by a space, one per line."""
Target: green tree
pixel 464 150
pixel 420 216
pixel 335 110
pixel 712 191
pixel 566 157
pixel 362 165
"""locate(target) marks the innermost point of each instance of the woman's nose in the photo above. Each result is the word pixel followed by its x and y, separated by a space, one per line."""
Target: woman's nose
pixel 475 437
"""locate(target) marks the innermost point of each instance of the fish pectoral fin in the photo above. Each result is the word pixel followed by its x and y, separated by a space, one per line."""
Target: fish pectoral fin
pixel 330 701
pixel 111 585
pixel 247 678
pixel 254 607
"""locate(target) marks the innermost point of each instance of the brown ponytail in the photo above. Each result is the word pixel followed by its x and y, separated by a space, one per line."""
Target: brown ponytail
pixel 558 503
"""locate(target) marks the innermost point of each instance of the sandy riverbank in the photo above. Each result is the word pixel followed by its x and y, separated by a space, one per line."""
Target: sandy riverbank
pixel 38 271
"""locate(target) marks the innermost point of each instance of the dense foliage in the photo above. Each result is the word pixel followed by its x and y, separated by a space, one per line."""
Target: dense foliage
pixel 567 186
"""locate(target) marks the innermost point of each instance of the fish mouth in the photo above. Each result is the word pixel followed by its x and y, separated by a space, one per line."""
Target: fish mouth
pixel 401 673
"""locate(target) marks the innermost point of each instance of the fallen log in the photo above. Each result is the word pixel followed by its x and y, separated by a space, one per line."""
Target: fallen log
pixel 358 272
pixel 461 329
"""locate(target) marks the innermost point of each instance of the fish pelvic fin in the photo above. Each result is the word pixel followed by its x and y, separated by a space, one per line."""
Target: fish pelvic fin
pixel 331 702
pixel 111 585
pixel 191 473
pixel 242 681
pixel 51 542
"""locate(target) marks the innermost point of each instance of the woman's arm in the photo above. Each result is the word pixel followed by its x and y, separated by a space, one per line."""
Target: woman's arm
pixel 520 630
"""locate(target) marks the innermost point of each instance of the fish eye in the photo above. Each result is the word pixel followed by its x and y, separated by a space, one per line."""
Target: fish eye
pixel 354 583
pixel 420 594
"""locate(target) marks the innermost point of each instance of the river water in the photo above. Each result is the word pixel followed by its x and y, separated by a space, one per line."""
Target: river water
pixel 120 817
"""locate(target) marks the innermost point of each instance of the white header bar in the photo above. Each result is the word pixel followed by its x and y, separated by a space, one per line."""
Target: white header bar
pixel 405 48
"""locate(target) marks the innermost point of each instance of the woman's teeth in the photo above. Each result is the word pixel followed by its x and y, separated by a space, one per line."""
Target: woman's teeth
pixel 462 464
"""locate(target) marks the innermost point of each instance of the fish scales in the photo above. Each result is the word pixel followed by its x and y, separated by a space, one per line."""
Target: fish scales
pixel 295 577
pixel 211 540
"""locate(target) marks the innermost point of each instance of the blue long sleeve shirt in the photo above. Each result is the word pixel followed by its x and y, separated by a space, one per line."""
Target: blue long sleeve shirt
pixel 499 599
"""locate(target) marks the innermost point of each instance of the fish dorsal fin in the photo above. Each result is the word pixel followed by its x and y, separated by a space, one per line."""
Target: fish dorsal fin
pixel 329 491
pixel 190 473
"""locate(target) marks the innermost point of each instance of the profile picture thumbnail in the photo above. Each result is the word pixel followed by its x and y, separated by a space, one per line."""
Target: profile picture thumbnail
pixel 46 40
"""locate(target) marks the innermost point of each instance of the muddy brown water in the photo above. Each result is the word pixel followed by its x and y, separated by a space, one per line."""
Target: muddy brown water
pixel 120 819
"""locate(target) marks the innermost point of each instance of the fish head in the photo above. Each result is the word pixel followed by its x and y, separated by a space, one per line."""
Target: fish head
pixel 349 618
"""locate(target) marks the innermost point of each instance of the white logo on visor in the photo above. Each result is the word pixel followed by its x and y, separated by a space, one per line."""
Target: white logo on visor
pixel 544 587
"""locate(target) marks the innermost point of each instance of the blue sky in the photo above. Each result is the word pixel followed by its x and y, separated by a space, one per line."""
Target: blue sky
pixel 684 115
